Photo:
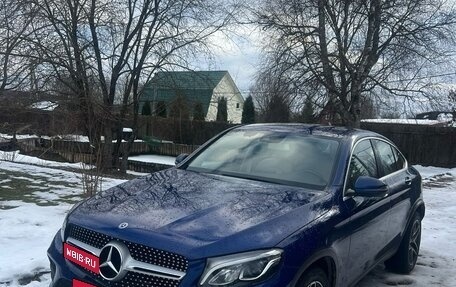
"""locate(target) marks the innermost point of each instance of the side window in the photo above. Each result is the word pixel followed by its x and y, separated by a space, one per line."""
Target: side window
pixel 362 163
pixel 387 157
pixel 400 160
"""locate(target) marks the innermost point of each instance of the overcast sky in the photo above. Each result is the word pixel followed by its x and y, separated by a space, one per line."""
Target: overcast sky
pixel 239 55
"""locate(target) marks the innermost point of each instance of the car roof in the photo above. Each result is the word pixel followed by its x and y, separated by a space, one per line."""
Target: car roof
pixel 318 130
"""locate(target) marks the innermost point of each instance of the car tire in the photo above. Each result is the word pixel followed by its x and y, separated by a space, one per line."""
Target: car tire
pixel 315 277
pixel 406 256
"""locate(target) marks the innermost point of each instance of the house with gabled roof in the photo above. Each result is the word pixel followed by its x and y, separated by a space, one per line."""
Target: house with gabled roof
pixel 195 88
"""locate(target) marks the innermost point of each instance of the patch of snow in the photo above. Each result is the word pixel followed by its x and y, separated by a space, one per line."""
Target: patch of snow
pixel 43 184
pixel 83 139
pixel 124 141
pixel 428 172
pixel 152 158
pixel 19 137
pixel 30 229
pixel 75 138
pixel 127 130
pixel 15 156
pixel 445 117
pixel 44 106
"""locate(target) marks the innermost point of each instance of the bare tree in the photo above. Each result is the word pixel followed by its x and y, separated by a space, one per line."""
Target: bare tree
pixel 342 50
pixel 164 35
pixel 104 51
pixel 452 101
pixel 16 18
pixel 273 94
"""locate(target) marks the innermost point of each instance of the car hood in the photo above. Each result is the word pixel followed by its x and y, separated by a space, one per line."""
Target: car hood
pixel 200 215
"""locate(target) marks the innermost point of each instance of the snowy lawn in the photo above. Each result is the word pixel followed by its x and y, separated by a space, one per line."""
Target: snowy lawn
pixel 17 157
pixel 33 203
pixel 34 200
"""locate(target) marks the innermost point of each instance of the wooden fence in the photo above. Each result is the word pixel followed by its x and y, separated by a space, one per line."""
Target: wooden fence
pixel 84 147
pixel 137 148
pixel 146 167
pixel 172 149
pixel 81 151
pixel 424 145
pixel 179 131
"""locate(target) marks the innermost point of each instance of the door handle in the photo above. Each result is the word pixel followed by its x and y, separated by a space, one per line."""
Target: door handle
pixel 408 181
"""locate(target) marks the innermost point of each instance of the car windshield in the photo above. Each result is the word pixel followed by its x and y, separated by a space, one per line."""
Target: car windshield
pixel 278 157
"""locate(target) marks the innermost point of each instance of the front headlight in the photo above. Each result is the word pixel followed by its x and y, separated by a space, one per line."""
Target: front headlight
pixel 240 269
pixel 62 229
pixel 65 221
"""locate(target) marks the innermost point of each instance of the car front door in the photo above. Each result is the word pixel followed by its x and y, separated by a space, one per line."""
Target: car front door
pixel 394 172
pixel 369 216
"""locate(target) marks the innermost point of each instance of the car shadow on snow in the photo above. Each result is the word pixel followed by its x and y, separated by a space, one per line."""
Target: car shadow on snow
pixel 430 270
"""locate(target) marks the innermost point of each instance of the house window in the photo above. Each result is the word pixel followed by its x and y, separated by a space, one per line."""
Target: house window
pixel 237 105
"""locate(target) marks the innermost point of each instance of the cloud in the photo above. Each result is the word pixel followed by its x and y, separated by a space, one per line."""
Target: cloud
pixel 238 52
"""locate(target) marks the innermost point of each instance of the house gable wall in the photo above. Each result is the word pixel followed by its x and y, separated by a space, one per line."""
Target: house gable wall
pixel 225 87
pixel 235 102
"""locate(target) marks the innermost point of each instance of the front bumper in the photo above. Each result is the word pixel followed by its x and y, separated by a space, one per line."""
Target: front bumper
pixel 63 271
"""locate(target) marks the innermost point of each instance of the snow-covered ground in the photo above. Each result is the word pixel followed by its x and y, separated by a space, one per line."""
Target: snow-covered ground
pixel 7 137
pixel 44 106
pixel 34 200
pixel 68 137
pixel 33 203
pixel 15 156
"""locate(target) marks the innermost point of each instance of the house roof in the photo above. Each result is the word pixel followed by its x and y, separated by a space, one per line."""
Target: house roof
pixel 188 80
pixel 194 86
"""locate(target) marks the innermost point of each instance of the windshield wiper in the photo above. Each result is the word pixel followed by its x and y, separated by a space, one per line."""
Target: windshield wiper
pixel 242 176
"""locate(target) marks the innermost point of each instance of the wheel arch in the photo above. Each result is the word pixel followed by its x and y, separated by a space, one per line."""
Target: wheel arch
pixel 326 260
pixel 418 207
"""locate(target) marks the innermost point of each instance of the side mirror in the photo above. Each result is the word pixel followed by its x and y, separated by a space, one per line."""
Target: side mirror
pixel 366 186
pixel 180 158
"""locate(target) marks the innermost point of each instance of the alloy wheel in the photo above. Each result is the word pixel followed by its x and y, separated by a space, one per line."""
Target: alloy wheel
pixel 414 245
pixel 315 284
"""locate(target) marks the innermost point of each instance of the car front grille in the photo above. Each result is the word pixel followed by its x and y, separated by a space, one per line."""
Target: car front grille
pixel 140 280
pixel 138 252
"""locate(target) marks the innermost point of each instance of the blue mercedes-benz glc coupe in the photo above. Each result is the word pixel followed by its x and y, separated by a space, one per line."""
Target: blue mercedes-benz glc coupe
pixel 258 205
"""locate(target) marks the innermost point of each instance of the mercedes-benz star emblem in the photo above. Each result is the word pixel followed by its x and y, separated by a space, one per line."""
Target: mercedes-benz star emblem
pixel 112 258
pixel 123 225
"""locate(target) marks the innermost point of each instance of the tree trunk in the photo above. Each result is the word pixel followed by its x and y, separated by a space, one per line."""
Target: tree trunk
pixel 354 119
pixel 106 161
pixel 134 127
pixel 117 146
